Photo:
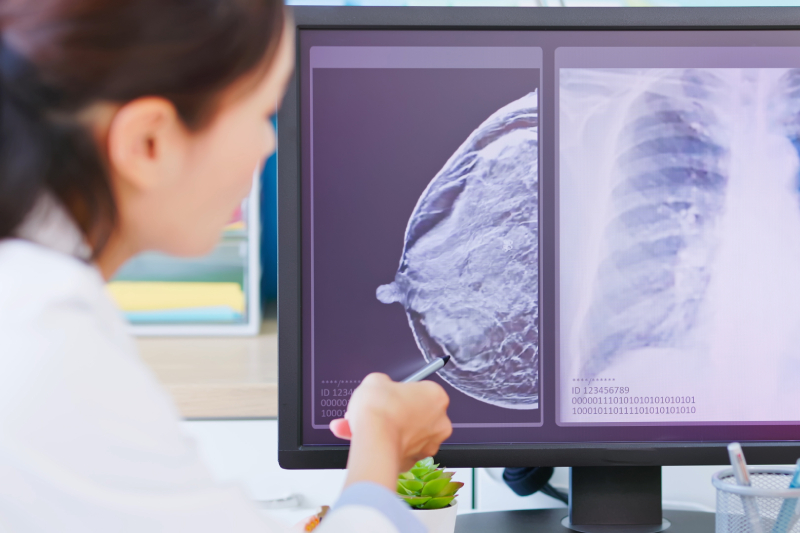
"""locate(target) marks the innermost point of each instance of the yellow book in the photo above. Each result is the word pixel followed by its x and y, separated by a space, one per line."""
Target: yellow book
pixel 159 295
pixel 234 226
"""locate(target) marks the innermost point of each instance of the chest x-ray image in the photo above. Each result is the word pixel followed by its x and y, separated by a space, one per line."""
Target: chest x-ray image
pixel 468 274
pixel 680 231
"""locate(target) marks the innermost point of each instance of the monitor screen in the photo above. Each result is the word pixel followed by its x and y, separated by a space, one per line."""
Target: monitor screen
pixel 601 228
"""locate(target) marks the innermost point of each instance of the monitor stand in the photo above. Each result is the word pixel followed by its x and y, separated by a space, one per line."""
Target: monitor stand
pixel 603 499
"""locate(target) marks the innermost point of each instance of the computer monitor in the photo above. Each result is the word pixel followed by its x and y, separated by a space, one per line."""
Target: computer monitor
pixel 595 212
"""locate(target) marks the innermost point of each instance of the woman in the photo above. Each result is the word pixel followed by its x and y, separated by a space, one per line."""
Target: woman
pixel 132 125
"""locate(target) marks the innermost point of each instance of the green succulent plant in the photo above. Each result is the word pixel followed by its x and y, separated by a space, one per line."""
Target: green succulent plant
pixel 426 486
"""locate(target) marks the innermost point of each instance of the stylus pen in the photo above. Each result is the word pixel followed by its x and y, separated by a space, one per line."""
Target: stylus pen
pixel 427 370
pixel 785 516
pixel 743 478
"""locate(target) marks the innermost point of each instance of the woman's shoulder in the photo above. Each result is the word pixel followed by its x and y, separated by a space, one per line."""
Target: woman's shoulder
pixel 61 337
pixel 54 306
pixel 35 279
pixel 74 395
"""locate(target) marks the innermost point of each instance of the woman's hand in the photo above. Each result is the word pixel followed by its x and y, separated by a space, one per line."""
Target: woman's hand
pixel 391 426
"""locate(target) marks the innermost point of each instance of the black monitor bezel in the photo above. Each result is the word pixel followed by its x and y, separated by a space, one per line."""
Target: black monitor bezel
pixel 291 452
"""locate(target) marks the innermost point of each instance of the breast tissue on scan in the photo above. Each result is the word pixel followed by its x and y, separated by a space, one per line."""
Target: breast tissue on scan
pixel 468 275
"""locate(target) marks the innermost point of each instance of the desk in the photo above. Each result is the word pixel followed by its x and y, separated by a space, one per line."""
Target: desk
pixel 218 377
pixel 549 521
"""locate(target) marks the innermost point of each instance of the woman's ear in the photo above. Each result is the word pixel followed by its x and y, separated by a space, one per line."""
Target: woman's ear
pixel 145 143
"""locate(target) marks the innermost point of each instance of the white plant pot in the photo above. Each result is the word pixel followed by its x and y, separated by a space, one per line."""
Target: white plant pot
pixel 438 520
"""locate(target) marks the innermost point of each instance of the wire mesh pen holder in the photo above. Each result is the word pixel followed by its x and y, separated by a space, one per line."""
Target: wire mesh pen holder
pixel 767 506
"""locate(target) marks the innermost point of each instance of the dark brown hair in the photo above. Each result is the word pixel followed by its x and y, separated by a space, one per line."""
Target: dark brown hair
pixel 57 57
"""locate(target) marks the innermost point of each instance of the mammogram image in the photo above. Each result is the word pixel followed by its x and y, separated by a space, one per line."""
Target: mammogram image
pixel 469 274
pixel 701 168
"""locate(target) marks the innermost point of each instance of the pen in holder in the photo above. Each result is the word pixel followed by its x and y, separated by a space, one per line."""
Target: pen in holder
pixel 767 494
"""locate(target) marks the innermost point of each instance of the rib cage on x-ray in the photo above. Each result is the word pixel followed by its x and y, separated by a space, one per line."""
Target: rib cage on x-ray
pixel 668 189
pixel 672 172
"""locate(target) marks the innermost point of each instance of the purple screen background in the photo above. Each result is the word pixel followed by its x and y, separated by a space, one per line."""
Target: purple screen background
pixel 381 135
pixel 370 179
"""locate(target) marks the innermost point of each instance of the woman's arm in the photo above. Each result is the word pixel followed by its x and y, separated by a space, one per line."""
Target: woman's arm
pixel 392 426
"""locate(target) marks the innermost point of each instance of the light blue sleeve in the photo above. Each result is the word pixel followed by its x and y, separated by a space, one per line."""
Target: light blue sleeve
pixel 383 500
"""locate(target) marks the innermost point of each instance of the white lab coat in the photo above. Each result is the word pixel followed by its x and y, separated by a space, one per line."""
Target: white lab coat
pixel 89 441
